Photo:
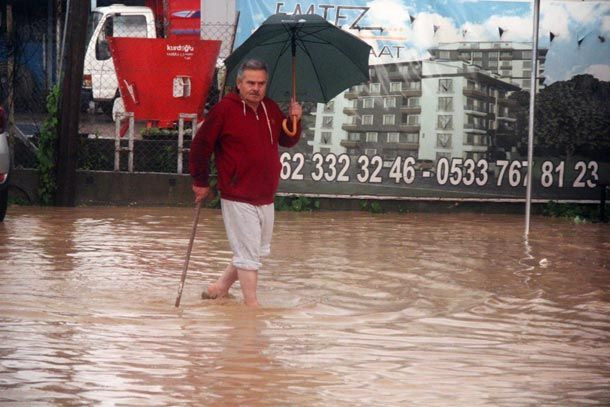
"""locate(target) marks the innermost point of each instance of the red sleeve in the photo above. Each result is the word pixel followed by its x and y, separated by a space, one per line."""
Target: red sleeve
pixel 202 147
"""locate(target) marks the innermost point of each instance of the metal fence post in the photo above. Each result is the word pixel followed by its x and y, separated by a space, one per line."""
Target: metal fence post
pixel 117 142
pixel 130 148
pixel 181 150
pixel 119 117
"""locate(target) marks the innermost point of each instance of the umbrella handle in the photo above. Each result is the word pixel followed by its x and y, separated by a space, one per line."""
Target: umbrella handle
pixel 289 132
pixel 293 98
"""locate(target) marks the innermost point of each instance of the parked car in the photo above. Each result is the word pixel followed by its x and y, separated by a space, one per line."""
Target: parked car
pixel 5 164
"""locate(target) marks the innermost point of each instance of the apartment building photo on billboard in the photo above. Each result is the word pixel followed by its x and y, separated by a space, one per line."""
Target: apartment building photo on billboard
pixel 428 110
pixel 511 61
pixel 445 111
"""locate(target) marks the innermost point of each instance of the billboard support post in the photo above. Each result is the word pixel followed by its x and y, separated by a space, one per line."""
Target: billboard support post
pixel 530 136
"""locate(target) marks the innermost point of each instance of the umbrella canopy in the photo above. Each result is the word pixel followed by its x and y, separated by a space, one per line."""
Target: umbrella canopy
pixel 328 59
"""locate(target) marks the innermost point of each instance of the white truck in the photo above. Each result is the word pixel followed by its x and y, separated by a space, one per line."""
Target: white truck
pixel 100 85
pixel 160 18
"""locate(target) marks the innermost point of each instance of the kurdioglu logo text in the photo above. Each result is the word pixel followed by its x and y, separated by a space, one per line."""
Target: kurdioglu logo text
pixel 183 48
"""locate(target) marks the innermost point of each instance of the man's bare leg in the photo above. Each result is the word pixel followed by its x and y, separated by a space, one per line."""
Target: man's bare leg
pixel 221 287
pixel 248 280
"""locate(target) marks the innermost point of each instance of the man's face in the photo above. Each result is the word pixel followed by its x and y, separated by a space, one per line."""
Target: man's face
pixel 253 85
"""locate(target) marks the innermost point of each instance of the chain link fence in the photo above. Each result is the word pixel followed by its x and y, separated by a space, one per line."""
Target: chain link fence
pixel 114 139
pixel 26 72
pixel 111 138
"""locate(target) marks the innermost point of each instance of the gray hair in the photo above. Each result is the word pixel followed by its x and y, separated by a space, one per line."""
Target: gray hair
pixel 252 64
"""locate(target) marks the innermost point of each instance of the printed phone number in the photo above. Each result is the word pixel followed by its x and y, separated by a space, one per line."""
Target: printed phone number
pixel 457 171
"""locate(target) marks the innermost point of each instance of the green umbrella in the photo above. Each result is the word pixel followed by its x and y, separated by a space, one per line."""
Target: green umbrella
pixel 326 59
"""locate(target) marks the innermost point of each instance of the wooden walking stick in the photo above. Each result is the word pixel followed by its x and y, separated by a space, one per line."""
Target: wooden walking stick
pixel 188 253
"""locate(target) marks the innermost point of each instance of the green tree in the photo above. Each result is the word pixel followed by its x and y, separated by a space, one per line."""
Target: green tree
pixel 47 149
pixel 574 116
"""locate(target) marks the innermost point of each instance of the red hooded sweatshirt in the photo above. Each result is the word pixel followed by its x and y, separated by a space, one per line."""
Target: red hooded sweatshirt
pixel 245 144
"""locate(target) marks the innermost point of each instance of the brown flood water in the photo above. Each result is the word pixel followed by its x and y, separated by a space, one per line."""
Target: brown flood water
pixel 359 310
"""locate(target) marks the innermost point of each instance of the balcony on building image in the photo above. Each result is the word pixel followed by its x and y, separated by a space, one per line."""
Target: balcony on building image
pixel 396 75
pixel 350 143
pixel 475 110
pixel 403 75
pixel 475 128
pixel 476 93
pixel 403 146
pixel 352 94
pixel 409 128
pixel 385 128
pixel 477 141
pixel 350 126
pixel 410 109
pixel 411 92
pixel 350 110
pixel 504 101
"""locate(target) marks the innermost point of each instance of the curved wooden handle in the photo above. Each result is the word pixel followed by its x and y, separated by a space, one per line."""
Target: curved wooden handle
pixel 292 132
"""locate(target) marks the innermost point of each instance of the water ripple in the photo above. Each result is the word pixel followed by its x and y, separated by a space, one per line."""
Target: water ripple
pixel 359 309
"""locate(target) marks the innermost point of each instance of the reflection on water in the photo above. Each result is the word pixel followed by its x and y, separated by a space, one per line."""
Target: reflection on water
pixel 410 309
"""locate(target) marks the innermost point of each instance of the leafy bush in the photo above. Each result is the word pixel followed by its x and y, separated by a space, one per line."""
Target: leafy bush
pixel 296 203
pixel 578 213
pixel 156 133
pixel 46 153
pixel 373 207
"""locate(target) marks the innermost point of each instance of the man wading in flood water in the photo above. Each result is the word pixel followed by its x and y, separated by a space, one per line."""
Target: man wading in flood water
pixel 243 131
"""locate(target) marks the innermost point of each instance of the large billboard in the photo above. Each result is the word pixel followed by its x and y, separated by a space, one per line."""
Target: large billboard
pixel 445 112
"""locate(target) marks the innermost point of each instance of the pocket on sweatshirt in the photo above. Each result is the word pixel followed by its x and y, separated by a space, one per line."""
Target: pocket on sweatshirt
pixel 234 176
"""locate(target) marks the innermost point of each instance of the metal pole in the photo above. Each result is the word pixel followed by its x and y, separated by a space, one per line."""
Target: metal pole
pixel 130 143
pixel 48 46
pixel 117 141
pixel 181 150
pixel 530 137
pixel 58 9
pixel 180 142
pixel 118 145
pixel 201 19
pixel 63 40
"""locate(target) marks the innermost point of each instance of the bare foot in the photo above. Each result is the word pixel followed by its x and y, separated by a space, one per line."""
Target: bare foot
pixel 214 291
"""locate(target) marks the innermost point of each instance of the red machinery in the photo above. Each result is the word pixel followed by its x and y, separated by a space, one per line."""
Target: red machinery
pixel 161 78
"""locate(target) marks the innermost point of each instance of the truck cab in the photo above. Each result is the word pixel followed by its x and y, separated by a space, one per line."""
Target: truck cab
pixel 99 76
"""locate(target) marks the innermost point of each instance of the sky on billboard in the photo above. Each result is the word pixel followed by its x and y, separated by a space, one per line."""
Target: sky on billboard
pixel 403 30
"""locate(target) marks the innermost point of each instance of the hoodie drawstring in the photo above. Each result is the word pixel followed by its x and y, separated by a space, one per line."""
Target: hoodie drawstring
pixel 266 116
pixel 268 124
